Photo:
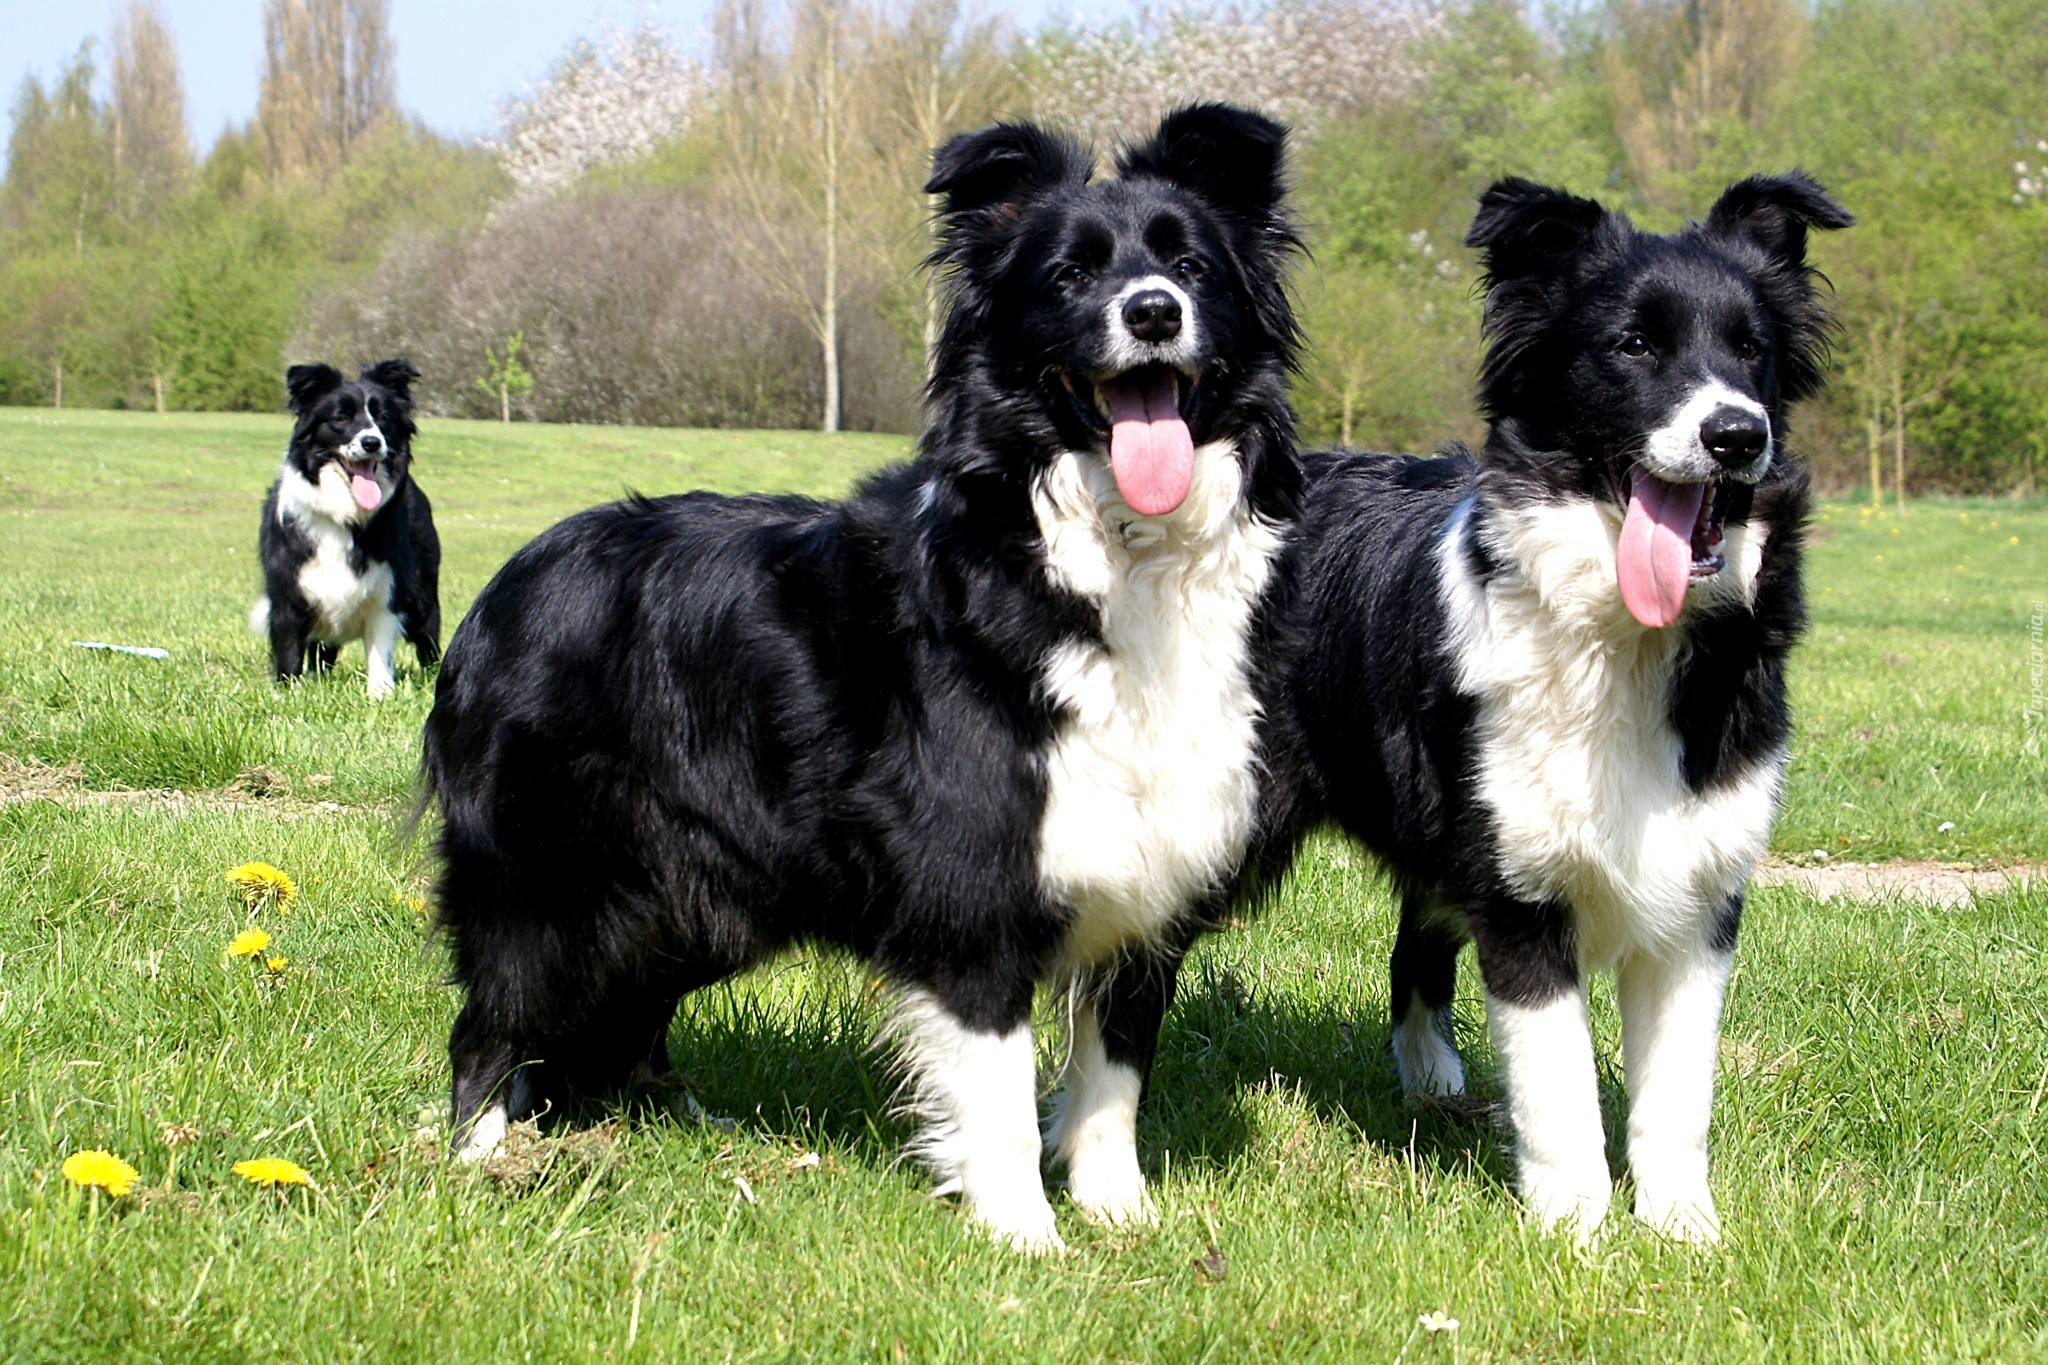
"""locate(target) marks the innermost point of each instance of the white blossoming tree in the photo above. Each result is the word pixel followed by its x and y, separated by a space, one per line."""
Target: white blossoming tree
pixel 608 101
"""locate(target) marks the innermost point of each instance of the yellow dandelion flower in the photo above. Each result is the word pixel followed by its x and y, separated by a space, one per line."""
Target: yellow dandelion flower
pixel 248 943
pixel 271 1171
pixel 263 885
pixel 99 1170
pixel 277 963
pixel 2012 540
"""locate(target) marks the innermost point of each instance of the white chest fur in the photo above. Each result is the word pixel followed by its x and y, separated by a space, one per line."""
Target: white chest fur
pixel 346 604
pixel 1576 758
pixel 1151 784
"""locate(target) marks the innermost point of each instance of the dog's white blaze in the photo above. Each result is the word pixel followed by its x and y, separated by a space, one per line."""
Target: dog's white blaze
pixel 1670 1031
pixel 1675 452
pixel 1095 1130
pixel 977 1096
pixel 1150 781
pixel 1424 1053
pixel 1128 352
pixel 1578 763
pixel 346 605
pixel 485 1134
pixel 1546 1054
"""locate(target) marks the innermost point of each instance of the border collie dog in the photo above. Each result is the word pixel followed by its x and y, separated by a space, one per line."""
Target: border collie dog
pixel 347 541
pixel 1546 684
pixel 989 722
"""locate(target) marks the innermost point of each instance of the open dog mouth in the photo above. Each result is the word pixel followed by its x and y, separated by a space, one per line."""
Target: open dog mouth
pixel 1670 537
pixel 362 480
pixel 1144 413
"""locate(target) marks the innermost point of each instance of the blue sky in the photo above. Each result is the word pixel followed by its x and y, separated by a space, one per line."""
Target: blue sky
pixel 456 58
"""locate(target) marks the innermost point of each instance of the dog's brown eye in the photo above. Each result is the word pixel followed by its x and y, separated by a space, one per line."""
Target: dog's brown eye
pixel 1634 345
pixel 1748 350
pixel 1073 274
pixel 1187 267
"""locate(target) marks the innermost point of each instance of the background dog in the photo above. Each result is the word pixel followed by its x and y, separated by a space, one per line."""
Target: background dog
pixel 1546 684
pixel 347 540
pixel 988 722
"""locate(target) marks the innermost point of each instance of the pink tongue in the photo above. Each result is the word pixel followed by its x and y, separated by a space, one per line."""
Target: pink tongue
pixel 364 490
pixel 1150 450
pixel 1654 561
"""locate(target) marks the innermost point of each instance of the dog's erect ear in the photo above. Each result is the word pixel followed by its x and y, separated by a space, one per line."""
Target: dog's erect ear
pixel 1000 168
pixel 1775 211
pixel 395 375
pixel 1231 157
pixel 306 384
pixel 1527 229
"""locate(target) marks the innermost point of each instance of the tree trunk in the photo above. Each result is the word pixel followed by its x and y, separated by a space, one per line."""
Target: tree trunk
pixel 1899 437
pixel 60 386
pixel 1874 434
pixel 158 380
pixel 1350 399
pixel 828 329
pixel 504 402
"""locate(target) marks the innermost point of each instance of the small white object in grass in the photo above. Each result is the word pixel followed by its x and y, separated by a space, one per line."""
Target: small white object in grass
pixel 139 651
pixel 1437 1322
pixel 1944 827
pixel 1821 854
pixel 746 1190
pixel 807 1162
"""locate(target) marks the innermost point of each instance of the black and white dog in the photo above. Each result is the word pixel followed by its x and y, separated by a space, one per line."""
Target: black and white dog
pixel 347 541
pixel 989 722
pixel 1546 685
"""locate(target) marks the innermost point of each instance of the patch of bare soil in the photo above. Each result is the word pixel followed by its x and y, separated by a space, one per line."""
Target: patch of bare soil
pixel 256 789
pixel 1929 883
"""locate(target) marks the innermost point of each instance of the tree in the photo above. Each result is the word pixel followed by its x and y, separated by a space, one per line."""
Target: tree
pixel 505 376
pixel 152 158
pixel 327 82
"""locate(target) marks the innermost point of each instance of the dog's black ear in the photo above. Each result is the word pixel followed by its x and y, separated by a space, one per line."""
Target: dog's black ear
pixel 1775 212
pixel 306 384
pixel 395 375
pixel 1528 229
pixel 1000 168
pixel 1231 157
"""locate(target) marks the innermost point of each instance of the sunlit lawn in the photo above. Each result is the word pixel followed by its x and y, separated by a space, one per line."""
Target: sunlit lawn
pixel 1879 1141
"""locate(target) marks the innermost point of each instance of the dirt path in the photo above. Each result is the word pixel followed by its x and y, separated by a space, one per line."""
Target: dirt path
pixel 1928 883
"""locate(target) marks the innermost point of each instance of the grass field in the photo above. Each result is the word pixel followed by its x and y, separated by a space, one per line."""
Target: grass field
pixel 1879 1140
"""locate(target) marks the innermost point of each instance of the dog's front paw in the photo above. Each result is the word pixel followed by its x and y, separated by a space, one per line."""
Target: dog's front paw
pixel 1020 1223
pixel 1568 1199
pixel 1683 1212
pixel 1110 1191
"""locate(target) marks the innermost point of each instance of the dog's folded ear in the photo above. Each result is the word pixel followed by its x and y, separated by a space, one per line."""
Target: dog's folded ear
pixel 1231 157
pixel 997 170
pixel 395 375
pixel 1527 229
pixel 307 383
pixel 1775 211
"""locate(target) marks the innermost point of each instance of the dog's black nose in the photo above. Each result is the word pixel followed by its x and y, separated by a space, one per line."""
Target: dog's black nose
pixel 1152 315
pixel 1733 437
pixel 372 443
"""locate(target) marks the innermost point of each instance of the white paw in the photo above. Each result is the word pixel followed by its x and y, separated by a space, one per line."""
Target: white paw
pixel 1425 1056
pixel 1110 1191
pixel 484 1135
pixel 1573 1200
pixel 1684 1213
pixel 1021 1223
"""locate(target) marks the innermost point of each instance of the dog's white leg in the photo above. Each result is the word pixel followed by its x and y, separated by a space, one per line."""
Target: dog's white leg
pixel 1424 1052
pixel 380 640
pixel 1546 1053
pixel 1670 1032
pixel 485 1134
pixel 977 1093
pixel 1095 1131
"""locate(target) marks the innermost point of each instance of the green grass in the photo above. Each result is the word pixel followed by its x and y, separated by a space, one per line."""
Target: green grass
pixel 1879 1138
